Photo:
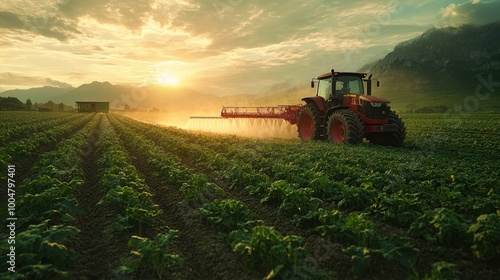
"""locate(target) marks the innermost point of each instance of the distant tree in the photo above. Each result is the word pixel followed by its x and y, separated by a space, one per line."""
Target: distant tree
pixel 35 106
pixel 50 104
pixel 11 103
pixel 60 107
pixel 28 104
pixel 126 107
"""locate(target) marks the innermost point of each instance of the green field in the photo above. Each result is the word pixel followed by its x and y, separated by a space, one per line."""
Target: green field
pixel 103 196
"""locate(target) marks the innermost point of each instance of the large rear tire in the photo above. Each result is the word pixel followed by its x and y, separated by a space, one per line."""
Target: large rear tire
pixel 309 125
pixel 394 139
pixel 345 126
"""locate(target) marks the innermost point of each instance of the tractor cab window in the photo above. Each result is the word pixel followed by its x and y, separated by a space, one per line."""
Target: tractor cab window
pixel 325 88
pixel 349 84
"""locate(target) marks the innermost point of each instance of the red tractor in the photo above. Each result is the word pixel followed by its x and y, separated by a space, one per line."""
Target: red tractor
pixel 340 112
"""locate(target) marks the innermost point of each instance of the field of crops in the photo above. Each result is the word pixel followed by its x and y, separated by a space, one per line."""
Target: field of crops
pixel 102 196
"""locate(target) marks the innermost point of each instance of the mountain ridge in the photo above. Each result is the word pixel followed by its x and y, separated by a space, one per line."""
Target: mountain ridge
pixel 441 66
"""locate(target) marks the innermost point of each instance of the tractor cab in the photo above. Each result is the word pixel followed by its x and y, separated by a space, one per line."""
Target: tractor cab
pixel 338 90
pixel 343 83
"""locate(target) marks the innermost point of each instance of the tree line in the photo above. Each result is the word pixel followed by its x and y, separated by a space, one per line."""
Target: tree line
pixel 14 104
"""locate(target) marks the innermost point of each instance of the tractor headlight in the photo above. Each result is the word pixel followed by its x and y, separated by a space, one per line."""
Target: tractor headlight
pixel 376 104
pixel 388 104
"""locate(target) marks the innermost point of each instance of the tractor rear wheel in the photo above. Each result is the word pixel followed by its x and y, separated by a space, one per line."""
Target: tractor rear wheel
pixel 394 139
pixel 345 126
pixel 309 125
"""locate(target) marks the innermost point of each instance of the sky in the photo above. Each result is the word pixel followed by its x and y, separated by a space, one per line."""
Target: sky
pixel 217 47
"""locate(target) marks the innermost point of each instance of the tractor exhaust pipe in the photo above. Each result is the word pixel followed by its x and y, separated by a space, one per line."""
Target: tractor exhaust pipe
pixel 369 85
pixel 334 84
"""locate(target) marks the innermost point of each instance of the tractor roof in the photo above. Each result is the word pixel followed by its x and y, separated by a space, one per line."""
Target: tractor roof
pixel 337 74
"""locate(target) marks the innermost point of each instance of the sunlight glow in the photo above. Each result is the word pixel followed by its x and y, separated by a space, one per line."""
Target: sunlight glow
pixel 167 79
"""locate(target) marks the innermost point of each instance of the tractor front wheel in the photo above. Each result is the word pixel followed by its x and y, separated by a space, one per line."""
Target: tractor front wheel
pixel 309 123
pixel 395 138
pixel 345 126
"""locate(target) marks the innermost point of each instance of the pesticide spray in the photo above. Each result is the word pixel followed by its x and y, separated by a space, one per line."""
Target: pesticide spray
pixel 260 122
pixel 247 127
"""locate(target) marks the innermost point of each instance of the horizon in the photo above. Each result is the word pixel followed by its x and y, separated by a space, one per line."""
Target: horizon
pixel 221 48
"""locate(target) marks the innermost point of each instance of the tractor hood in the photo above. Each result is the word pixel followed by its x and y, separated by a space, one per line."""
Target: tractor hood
pixel 371 98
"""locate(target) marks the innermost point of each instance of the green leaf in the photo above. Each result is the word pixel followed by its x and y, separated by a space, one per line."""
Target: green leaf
pixel 400 248
pixel 58 233
pixel 360 259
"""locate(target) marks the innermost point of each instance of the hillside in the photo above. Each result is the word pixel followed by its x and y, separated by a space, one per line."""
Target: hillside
pixel 441 66
pixel 40 95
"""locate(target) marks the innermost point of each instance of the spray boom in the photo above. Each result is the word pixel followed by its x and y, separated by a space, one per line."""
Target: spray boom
pixel 285 112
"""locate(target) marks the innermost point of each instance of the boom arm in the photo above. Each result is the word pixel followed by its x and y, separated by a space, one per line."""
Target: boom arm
pixel 286 112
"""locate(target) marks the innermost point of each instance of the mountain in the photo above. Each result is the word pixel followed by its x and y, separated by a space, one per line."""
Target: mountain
pixel 164 98
pixel 41 94
pixel 442 67
pixel 95 91
pixel 117 95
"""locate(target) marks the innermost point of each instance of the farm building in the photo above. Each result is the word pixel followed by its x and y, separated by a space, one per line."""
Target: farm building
pixel 92 106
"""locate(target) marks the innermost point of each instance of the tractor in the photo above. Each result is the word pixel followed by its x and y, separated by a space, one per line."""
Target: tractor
pixel 340 112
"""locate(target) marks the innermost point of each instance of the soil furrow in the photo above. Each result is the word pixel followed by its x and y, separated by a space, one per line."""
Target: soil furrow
pixel 97 246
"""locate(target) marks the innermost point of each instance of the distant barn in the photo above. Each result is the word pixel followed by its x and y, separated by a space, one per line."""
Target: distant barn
pixel 91 106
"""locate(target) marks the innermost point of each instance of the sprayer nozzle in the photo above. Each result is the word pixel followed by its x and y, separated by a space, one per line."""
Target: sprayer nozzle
pixel 201 117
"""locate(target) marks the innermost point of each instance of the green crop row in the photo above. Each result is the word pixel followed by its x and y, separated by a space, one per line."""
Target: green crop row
pixel 195 188
pixel 8 119
pixel 127 190
pixel 47 207
pixel 16 130
pixel 149 256
pixel 262 247
pixel 125 187
pixel 27 147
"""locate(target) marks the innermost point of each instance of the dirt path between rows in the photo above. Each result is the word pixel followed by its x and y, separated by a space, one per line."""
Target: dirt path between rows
pixel 98 247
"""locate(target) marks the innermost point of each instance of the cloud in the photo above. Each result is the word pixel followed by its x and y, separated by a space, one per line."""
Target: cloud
pixel 15 79
pixel 474 12
pixel 10 20
pixel 58 84
pixel 247 24
pixel 131 14
pixel 45 25
pixel 19 79
pixel 322 25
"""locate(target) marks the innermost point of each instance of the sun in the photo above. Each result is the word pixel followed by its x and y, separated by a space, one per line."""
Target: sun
pixel 167 79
